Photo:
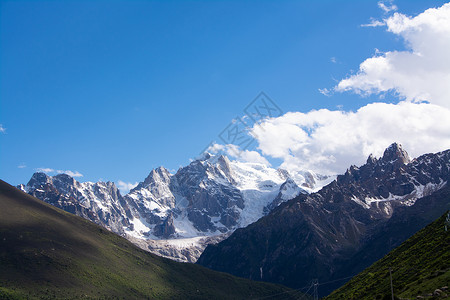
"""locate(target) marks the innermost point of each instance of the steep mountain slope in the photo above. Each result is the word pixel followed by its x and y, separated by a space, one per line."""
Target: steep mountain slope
pixel 420 266
pixel 177 215
pixel 48 253
pixel 323 235
pixel 404 222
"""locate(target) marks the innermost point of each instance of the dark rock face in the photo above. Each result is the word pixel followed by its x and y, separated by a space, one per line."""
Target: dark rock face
pixel 166 228
pixel 326 234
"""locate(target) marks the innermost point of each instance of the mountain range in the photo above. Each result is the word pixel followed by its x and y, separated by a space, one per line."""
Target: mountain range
pixel 338 231
pixel 267 224
pixel 177 215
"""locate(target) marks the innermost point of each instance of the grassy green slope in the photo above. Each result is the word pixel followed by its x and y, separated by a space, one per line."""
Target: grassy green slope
pixel 419 266
pixel 48 253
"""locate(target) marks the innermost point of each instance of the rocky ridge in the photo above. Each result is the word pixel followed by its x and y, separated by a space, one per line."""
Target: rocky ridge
pixel 177 215
pixel 338 230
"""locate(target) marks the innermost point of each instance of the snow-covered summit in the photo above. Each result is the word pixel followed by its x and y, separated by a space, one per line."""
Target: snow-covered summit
pixel 210 197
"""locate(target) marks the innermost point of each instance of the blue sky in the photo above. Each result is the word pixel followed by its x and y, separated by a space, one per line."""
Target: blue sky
pixel 112 89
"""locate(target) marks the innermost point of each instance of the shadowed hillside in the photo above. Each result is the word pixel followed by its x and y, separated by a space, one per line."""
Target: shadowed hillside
pixel 48 253
pixel 420 267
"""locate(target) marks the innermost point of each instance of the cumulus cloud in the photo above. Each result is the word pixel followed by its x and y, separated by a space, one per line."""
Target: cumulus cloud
pixel 125 187
pixel 328 142
pixel 68 172
pixel 422 73
pixel 235 152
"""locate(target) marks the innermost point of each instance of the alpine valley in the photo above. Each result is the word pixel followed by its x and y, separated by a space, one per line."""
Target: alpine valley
pixel 177 215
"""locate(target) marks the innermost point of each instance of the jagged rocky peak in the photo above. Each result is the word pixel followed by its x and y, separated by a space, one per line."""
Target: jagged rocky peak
pixel 64 181
pixel 213 159
pixel 99 202
pixel 158 174
pixel 192 174
pixel 396 155
pixel 38 179
pixel 213 166
pixel 350 174
pixel 352 169
pixel 156 189
pixel 108 187
pixel 371 160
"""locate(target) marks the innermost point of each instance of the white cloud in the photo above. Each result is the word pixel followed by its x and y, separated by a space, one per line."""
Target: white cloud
pixel 420 74
pixel 22 166
pixel 2 129
pixel 68 172
pixel 216 148
pixel 125 187
pixel 45 170
pixel 235 152
pixel 325 92
pixel 374 23
pixel 387 6
pixel 328 142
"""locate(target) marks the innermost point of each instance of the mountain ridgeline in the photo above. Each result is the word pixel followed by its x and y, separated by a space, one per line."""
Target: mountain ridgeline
pixel 47 253
pixel 338 231
pixel 176 215
pixel 267 224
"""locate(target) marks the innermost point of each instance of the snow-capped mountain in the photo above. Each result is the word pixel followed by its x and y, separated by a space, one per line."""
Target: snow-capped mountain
pixel 210 196
pixel 177 215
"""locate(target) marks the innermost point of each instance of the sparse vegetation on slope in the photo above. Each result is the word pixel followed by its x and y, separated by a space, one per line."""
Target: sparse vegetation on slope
pixel 420 268
pixel 48 253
